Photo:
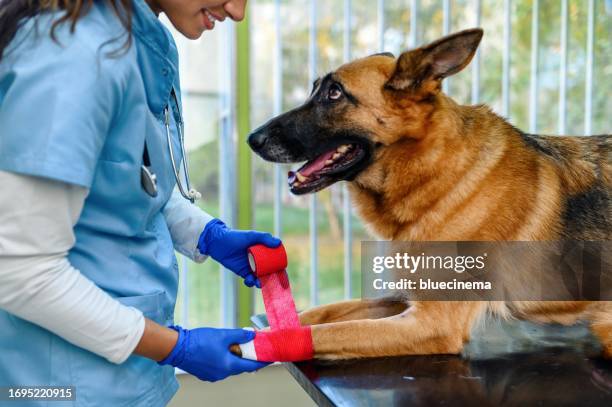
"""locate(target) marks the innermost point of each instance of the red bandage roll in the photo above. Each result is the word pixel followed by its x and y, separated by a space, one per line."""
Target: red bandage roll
pixel 284 345
pixel 266 260
pixel 269 265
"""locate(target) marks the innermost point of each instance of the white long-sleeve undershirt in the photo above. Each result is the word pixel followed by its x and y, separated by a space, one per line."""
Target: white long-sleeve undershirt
pixel 186 223
pixel 38 283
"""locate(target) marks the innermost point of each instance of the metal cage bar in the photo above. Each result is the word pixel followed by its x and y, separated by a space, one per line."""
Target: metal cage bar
pixel 563 70
pixel 277 109
pixel 588 90
pixel 446 26
pixel 314 237
pixel 533 81
pixel 380 7
pixel 227 175
pixel 413 37
pixel 506 59
pixel 184 280
pixel 476 62
pixel 346 202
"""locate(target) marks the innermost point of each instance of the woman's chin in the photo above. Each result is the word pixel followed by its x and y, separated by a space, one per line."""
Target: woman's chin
pixel 192 28
pixel 194 35
pixel 194 32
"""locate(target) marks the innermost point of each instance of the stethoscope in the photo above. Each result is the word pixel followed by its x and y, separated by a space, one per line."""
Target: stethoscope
pixel 148 178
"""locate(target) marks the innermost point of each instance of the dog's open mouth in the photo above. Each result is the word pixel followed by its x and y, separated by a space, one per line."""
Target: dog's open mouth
pixel 325 169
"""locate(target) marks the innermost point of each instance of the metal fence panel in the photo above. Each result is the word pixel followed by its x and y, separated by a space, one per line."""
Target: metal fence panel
pixel 227 136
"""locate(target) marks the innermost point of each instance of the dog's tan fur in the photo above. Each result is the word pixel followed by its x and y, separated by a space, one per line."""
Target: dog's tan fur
pixel 443 171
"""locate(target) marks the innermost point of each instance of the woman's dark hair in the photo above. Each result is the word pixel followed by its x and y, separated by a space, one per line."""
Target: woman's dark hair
pixel 13 13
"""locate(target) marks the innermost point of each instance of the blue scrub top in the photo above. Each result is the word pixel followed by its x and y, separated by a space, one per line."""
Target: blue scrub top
pixel 72 112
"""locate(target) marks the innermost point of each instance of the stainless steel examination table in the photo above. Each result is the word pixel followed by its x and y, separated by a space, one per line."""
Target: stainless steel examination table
pixel 506 364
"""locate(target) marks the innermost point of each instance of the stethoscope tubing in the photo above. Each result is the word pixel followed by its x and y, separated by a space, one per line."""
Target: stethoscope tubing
pixel 149 179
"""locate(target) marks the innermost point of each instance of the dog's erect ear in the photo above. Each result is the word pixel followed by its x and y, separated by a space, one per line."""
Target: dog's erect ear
pixel 424 68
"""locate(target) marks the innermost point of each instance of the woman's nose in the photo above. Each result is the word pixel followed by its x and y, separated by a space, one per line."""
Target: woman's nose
pixel 235 9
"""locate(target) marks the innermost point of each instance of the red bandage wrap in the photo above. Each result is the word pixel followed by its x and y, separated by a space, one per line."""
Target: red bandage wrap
pixel 284 345
pixel 287 340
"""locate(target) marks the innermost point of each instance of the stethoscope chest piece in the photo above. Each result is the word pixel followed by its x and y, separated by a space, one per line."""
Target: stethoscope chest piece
pixel 148 181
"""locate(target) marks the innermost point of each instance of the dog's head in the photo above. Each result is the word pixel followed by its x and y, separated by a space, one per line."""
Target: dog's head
pixel 353 113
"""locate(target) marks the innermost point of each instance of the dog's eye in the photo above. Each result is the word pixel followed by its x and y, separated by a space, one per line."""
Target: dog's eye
pixel 334 92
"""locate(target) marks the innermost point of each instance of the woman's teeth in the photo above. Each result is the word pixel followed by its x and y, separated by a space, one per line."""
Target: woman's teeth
pixel 210 18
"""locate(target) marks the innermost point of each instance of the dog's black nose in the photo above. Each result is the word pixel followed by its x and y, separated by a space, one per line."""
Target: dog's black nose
pixel 257 139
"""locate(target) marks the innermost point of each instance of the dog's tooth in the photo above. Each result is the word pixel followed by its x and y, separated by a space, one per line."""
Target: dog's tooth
pixel 336 155
pixel 300 177
pixel 342 148
pixel 329 162
pixel 291 177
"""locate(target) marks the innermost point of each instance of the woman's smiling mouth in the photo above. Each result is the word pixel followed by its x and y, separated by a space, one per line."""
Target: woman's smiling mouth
pixel 209 19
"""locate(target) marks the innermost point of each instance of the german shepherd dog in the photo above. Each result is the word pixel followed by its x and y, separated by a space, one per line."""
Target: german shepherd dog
pixel 421 167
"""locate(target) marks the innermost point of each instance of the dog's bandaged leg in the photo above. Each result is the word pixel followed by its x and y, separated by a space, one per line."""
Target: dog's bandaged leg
pixel 282 345
pixel 287 340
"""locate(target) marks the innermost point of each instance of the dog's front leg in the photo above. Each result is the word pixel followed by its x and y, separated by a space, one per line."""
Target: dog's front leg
pixel 351 310
pixel 424 328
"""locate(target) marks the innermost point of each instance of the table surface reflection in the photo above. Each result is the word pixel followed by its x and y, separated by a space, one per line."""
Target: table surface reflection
pixel 506 363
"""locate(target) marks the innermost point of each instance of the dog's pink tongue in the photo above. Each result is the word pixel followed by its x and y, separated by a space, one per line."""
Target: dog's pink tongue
pixel 317 164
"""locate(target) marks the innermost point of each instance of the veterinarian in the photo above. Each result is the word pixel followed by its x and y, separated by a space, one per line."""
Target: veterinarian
pixel 90 212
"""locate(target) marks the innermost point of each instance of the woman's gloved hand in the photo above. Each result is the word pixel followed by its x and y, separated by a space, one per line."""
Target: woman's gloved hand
pixel 204 352
pixel 229 247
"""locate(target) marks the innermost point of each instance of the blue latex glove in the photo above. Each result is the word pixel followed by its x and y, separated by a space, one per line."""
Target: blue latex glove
pixel 229 247
pixel 204 352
